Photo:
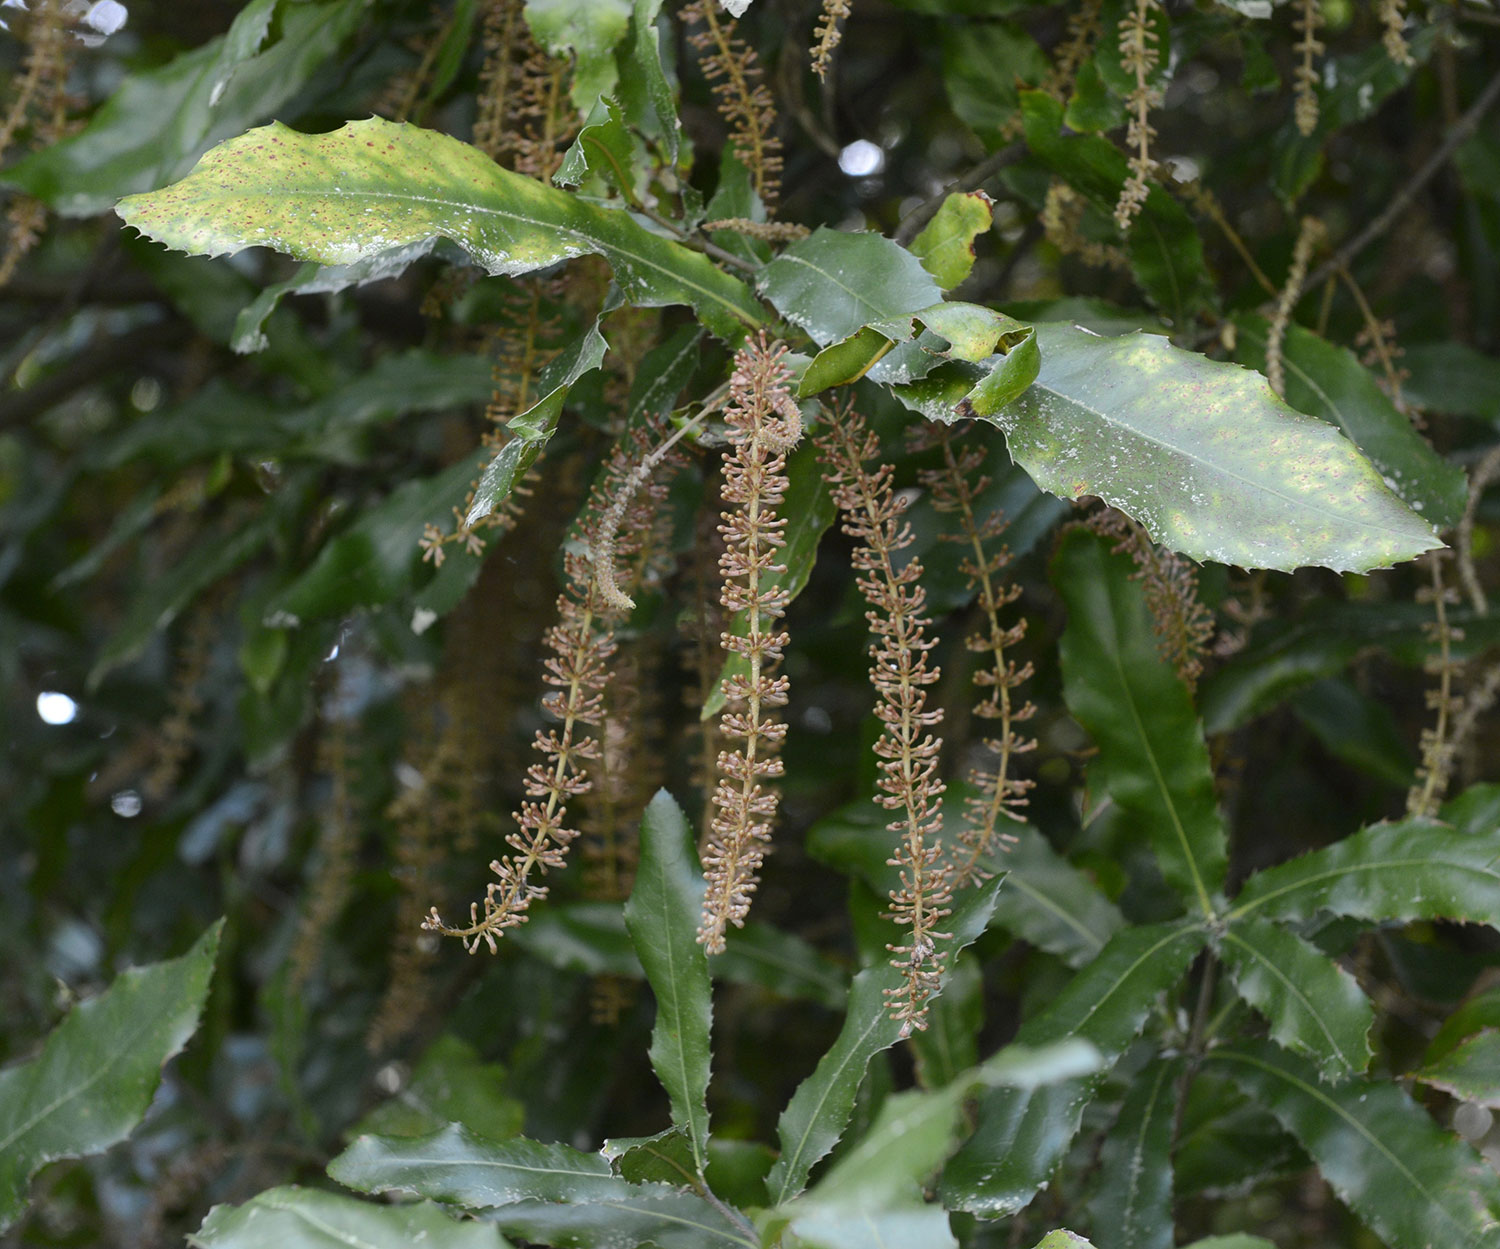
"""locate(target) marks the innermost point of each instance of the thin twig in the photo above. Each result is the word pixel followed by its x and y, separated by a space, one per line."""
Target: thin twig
pixel 1403 198
pixel 698 244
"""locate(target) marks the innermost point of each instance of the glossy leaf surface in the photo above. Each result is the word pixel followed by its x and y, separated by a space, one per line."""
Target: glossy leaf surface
pixel 291 1217
pixel 1134 1198
pixel 834 283
pixel 1204 455
pixel 819 1110
pixel 1152 756
pixel 946 244
pixel 1314 1006
pixel 1469 1072
pixel 1411 870
pixel 99 1069
pixel 352 194
pixel 1050 903
pixel 1326 380
pixel 1020 1137
pixel 1412 1182
pixel 662 917
pixel 157 123
pixel 458 1167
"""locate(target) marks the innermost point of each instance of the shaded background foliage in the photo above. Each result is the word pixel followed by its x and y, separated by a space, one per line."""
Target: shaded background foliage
pixel 277 710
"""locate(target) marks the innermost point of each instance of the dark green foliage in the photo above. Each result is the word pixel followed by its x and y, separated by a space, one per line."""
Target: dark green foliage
pixel 448 356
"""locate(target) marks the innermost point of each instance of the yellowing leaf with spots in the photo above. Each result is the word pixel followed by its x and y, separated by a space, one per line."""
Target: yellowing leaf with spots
pixel 1204 455
pixel 374 186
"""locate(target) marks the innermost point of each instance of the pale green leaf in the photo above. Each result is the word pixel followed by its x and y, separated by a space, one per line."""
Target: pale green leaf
pixel 1412 1182
pixel 1204 455
pixel 946 244
pixel 1411 870
pixel 1152 756
pixel 1326 380
pixel 99 1069
pixel 1314 1006
pixel 916 1227
pixel 649 99
pixel 662 917
pixel 343 197
pixel 291 1217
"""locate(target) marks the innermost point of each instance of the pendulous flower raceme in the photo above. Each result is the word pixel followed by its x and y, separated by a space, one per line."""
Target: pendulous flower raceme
pixel 579 647
pixel 764 424
pixel 908 749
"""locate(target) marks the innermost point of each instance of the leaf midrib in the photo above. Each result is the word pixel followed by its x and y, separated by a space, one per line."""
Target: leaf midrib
pixel 594 242
pixel 1212 466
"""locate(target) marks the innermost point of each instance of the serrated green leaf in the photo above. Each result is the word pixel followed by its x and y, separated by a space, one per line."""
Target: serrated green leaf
pixel 292 1217
pixel 946 244
pixel 603 148
pixel 456 1166
pixel 99 1069
pixel 809 511
pixel 1410 870
pixel 1020 1137
pixel 883 1172
pixel 1204 455
pixel 343 197
pixel 1326 381
pixel 157 123
pixel 819 1110
pixel 531 430
pixel 451 1084
pixel 666 1158
pixel 662 917
pixel 834 283
pixel 649 99
pixel 1477 1013
pixel 1152 756
pixel 1134 1198
pixel 1063 1240
pixel 1314 1006
pixel 1049 902
pixel 1413 1183
pixel 1470 1071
